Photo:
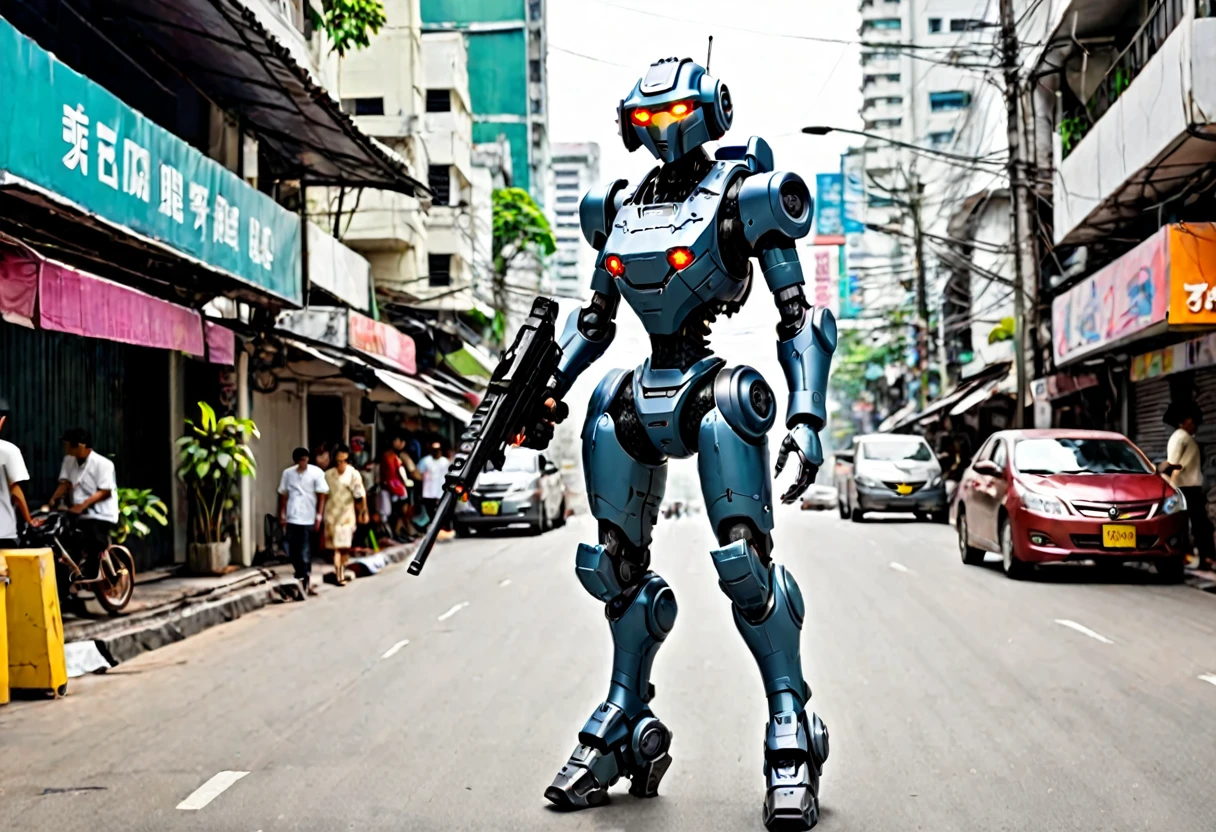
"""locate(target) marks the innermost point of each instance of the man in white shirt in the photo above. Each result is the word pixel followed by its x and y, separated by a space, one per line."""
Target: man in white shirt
pixel 12 498
pixel 433 469
pixel 1184 467
pixel 302 492
pixel 89 477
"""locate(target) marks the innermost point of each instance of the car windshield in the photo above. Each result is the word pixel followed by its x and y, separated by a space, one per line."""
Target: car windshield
pixel 889 451
pixel 1078 456
pixel 517 461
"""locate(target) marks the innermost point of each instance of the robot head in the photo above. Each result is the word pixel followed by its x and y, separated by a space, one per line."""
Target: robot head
pixel 676 108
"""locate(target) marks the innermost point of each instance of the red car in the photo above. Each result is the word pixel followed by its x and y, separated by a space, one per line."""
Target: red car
pixel 1043 496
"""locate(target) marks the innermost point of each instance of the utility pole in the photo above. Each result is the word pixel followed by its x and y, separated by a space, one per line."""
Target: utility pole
pixel 922 300
pixel 1025 263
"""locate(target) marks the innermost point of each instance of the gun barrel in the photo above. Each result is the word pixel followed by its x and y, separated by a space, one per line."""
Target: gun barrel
pixel 446 504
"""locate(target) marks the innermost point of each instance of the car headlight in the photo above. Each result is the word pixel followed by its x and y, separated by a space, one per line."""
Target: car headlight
pixel 1173 503
pixel 866 482
pixel 1042 504
pixel 936 481
pixel 527 489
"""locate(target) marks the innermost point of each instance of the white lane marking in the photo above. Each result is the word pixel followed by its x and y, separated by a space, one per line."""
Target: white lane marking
pixel 505 582
pixel 899 567
pixel 210 790
pixel 1081 628
pixel 392 651
pixel 455 609
pixel 1210 678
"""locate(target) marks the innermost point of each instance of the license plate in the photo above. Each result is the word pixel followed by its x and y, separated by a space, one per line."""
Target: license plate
pixel 1118 537
pixel 490 507
pixel 903 488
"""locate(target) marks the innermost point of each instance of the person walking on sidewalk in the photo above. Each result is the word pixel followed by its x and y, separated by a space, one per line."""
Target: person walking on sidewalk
pixel 89 477
pixel 345 509
pixel 302 492
pixel 433 469
pixel 1184 467
pixel 12 499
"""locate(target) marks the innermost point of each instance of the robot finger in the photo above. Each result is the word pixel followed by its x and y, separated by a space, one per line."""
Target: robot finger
pixel 782 456
pixel 806 476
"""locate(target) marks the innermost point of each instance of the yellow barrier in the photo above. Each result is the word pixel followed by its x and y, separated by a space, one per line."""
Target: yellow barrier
pixel 35 627
pixel 3 635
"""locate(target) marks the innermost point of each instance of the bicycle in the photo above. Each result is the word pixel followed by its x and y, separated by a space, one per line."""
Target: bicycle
pixel 113 582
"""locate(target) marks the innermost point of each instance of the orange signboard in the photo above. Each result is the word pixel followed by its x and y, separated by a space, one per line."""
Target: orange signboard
pixel 1192 270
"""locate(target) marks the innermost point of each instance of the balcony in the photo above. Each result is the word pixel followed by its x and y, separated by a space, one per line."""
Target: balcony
pixel 448 232
pixel 1149 127
pixel 386 221
pixel 881 24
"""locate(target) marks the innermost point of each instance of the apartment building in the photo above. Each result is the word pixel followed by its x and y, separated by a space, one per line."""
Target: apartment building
pixel 575 169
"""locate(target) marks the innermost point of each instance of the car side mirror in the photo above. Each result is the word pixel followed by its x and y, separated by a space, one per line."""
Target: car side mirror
pixel 550 468
pixel 987 467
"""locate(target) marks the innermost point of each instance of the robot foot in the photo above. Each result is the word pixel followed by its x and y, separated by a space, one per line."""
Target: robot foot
pixel 795 750
pixel 583 781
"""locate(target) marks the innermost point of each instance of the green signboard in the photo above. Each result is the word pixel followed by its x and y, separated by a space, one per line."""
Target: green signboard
pixel 64 133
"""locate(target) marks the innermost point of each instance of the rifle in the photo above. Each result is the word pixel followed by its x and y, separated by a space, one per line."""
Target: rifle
pixel 513 402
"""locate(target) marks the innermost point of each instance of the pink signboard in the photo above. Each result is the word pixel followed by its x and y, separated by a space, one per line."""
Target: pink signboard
pixel 81 304
pixel 382 341
pixel 221 344
pixel 1125 297
pixel 18 286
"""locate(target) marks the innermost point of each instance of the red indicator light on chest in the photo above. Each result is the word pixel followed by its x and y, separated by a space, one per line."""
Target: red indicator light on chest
pixel 614 265
pixel 680 258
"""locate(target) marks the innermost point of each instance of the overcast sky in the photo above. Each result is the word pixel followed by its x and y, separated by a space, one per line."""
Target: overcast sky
pixel 780 81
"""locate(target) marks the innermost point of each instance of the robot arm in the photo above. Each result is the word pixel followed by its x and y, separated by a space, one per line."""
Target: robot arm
pixel 776 210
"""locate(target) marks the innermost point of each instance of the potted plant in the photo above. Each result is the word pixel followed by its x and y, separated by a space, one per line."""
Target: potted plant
pixel 134 506
pixel 213 455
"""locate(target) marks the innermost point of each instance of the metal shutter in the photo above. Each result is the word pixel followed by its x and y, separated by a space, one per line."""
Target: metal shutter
pixel 1150 399
pixel 1205 397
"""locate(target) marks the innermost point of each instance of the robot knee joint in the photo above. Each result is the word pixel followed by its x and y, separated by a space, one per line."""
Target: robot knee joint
pixel 743 577
pixel 598 572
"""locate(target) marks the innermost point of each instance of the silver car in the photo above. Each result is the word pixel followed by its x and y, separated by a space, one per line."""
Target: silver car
pixel 528 492
pixel 894 472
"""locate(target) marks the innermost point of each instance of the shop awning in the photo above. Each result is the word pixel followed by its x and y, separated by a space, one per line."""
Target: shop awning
pixel 229 52
pixel 404 388
pixel 976 397
pixel 470 361
pixel 444 401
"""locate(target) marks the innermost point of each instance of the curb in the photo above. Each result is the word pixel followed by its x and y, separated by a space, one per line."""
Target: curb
pixel 120 640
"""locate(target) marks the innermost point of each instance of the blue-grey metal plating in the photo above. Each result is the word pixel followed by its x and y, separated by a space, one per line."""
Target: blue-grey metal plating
pixel 671 81
pixel 596 572
pixel 620 490
pixel 775 202
pixel 734 476
pixel 578 351
pixel 636 636
pixel 659 397
pixel 743 577
pixel 598 209
pixel 781 267
pixel 806 359
pixel 774 642
pixel 746 402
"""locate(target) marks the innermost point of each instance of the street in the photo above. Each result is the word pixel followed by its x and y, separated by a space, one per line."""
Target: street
pixel 956 699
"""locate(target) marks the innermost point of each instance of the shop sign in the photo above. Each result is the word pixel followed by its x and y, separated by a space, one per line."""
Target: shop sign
pixel 1189 355
pixel 1192 258
pixel 829 208
pixel 382 341
pixel 852 170
pixel 824 287
pixel 67 135
pixel 1120 300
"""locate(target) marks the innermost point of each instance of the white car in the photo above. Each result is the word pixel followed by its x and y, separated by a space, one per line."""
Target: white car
pixel 894 472
pixel 529 491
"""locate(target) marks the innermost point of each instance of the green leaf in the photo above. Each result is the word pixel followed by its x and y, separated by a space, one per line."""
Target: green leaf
pixel 202 468
pixel 223 459
pixel 140 528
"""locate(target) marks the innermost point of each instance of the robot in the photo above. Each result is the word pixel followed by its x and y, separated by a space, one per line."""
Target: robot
pixel 677 247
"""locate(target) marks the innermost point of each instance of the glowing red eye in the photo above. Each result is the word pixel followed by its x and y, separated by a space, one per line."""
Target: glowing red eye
pixel 679 258
pixel 681 109
pixel 641 117
pixel 614 265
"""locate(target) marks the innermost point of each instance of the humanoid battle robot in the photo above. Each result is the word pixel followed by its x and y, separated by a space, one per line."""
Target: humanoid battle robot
pixel 678 248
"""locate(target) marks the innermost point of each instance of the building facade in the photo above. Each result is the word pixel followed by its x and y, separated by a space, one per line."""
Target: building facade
pixel 575 169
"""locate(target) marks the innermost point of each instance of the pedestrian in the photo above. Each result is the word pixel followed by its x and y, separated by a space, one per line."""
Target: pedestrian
pixel 321 457
pixel 394 491
pixel 12 499
pixel 1184 467
pixel 409 505
pixel 433 469
pixel 89 477
pixel 302 491
pixel 345 509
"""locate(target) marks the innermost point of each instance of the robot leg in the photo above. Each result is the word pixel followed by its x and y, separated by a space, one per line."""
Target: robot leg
pixel 622 738
pixel 768 611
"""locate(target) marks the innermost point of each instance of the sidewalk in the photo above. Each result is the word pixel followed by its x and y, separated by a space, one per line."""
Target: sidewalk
pixel 169 606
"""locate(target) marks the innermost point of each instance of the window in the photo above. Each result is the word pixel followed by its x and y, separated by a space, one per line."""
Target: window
pixel 567 199
pixel 884 99
pixel 538 106
pixel 566 184
pixel 1076 456
pixel 879 55
pixel 935 25
pixel 895 450
pixel 884 123
pixel 441 269
pixel 439 180
pixel 535 9
pixel 438 101
pixel 534 71
pixel 880 202
pixel 941 137
pixel 999 454
pixel 363 106
pixel 886 24
pixel 965 25
pixel 951 100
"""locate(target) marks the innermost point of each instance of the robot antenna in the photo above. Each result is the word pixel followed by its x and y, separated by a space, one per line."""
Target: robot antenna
pixel 709 53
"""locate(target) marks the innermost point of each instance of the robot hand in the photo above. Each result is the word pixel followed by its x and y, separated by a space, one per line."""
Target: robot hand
pixel 804 442
pixel 539 434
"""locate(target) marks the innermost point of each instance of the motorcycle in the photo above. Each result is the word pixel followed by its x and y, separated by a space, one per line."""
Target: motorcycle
pixel 110 577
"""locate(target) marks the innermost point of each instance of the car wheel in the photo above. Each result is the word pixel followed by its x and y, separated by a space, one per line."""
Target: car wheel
pixel 843 508
pixel 461 529
pixel 1013 566
pixel 1172 569
pixel 942 517
pixel 857 515
pixel 971 555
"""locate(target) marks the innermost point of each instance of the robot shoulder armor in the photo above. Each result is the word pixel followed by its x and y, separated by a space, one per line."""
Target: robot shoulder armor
pixel 777 202
pixel 598 209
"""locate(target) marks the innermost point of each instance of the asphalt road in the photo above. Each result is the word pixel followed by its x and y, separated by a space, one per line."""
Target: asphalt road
pixel 955 698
